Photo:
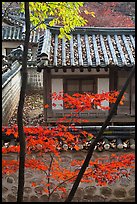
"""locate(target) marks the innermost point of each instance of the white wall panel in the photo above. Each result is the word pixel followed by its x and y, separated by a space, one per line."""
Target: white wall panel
pixel 57 86
pixel 103 86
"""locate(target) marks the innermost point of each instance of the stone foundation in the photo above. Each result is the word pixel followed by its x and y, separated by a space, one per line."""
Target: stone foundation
pixel 122 190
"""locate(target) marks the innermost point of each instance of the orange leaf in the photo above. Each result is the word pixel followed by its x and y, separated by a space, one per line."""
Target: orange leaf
pixel 76 147
pixel 8 132
pixel 46 106
pixel 33 184
pixel 121 103
pixel 16 134
pixel 45 190
pixel 48 184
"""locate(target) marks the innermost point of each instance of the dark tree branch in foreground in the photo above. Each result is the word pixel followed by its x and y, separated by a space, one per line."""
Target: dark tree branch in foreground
pixel 91 148
pixel 21 105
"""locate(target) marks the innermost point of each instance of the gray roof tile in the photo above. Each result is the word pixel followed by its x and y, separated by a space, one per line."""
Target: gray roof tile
pixel 15 33
pixel 89 47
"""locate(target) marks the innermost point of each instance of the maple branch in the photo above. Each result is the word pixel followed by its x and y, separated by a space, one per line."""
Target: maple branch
pixel 91 148
pixel 49 169
pixel 66 181
pixel 61 184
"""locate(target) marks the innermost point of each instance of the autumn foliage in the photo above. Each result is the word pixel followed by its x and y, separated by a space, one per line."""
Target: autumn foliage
pixel 107 14
pixel 45 144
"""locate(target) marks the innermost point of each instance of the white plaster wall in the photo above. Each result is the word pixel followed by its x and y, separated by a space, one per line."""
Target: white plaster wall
pixel 103 86
pixel 34 51
pixel 3 51
pixel 9 45
pixel 12 44
pixel 57 86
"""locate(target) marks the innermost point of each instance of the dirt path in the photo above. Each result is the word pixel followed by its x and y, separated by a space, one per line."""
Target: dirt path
pixel 33 110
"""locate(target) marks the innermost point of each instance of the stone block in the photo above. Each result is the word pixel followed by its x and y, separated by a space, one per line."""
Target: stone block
pixel 98 198
pixel 11 198
pixel 55 197
pixel 43 198
pixel 34 199
pixel 120 192
pixel 38 190
pixel 10 179
pixel 129 199
pixel 90 190
pixel 4 189
pixel 87 197
pixel 75 199
pixel 27 189
pixel 14 190
pixel 3 200
pixel 25 199
pixel 114 200
pixel 125 181
pixel 28 175
pixel 79 193
pixel 132 191
pixel 85 200
pixel 106 191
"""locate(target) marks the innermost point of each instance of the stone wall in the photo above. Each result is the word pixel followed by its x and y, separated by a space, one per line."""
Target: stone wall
pixel 35 79
pixel 11 83
pixel 122 190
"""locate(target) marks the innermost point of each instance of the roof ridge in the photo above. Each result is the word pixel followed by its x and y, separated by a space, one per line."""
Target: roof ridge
pixel 95 29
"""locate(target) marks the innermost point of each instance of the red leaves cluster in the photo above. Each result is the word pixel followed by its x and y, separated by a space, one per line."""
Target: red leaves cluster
pixel 47 141
pixel 106 14
pixel 9 166
pixel 87 101
pixel 6 150
pixel 108 170
pixel 102 170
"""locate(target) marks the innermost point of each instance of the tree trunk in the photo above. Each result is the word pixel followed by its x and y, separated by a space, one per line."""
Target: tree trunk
pixel 21 105
pixel 91 148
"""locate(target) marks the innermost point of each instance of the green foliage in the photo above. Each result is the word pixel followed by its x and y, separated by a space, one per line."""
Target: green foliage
pixel 66 14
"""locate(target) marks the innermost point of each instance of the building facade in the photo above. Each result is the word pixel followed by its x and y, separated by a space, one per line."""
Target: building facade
pixel 94 60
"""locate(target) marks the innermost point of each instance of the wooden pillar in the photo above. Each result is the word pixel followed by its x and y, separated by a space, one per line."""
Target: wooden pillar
pixel 113 76
pixel 113 81
pixel 47 93
pixel 132 96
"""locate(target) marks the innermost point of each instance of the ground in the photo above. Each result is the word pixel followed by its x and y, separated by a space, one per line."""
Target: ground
pixel 33 110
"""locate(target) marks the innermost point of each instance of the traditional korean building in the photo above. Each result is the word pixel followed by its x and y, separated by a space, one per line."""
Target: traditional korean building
pixel 13 34
pixel 93 60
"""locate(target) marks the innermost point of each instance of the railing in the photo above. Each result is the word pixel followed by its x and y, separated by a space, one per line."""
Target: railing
pixel 85 114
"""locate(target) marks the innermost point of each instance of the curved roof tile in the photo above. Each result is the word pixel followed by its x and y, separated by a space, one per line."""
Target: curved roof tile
pixel 88 47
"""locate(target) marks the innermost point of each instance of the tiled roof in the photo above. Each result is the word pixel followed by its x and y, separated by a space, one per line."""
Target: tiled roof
pixel 88 47
pixel 14 30
pixel 10 33
pixel 13 19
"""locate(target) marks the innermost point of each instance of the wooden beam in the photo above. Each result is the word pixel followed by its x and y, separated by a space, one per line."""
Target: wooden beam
pixel 46 93
pixel 113 81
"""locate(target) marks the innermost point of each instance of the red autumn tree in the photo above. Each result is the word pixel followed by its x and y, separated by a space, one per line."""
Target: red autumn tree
pixel 47 143
pixel 109 14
